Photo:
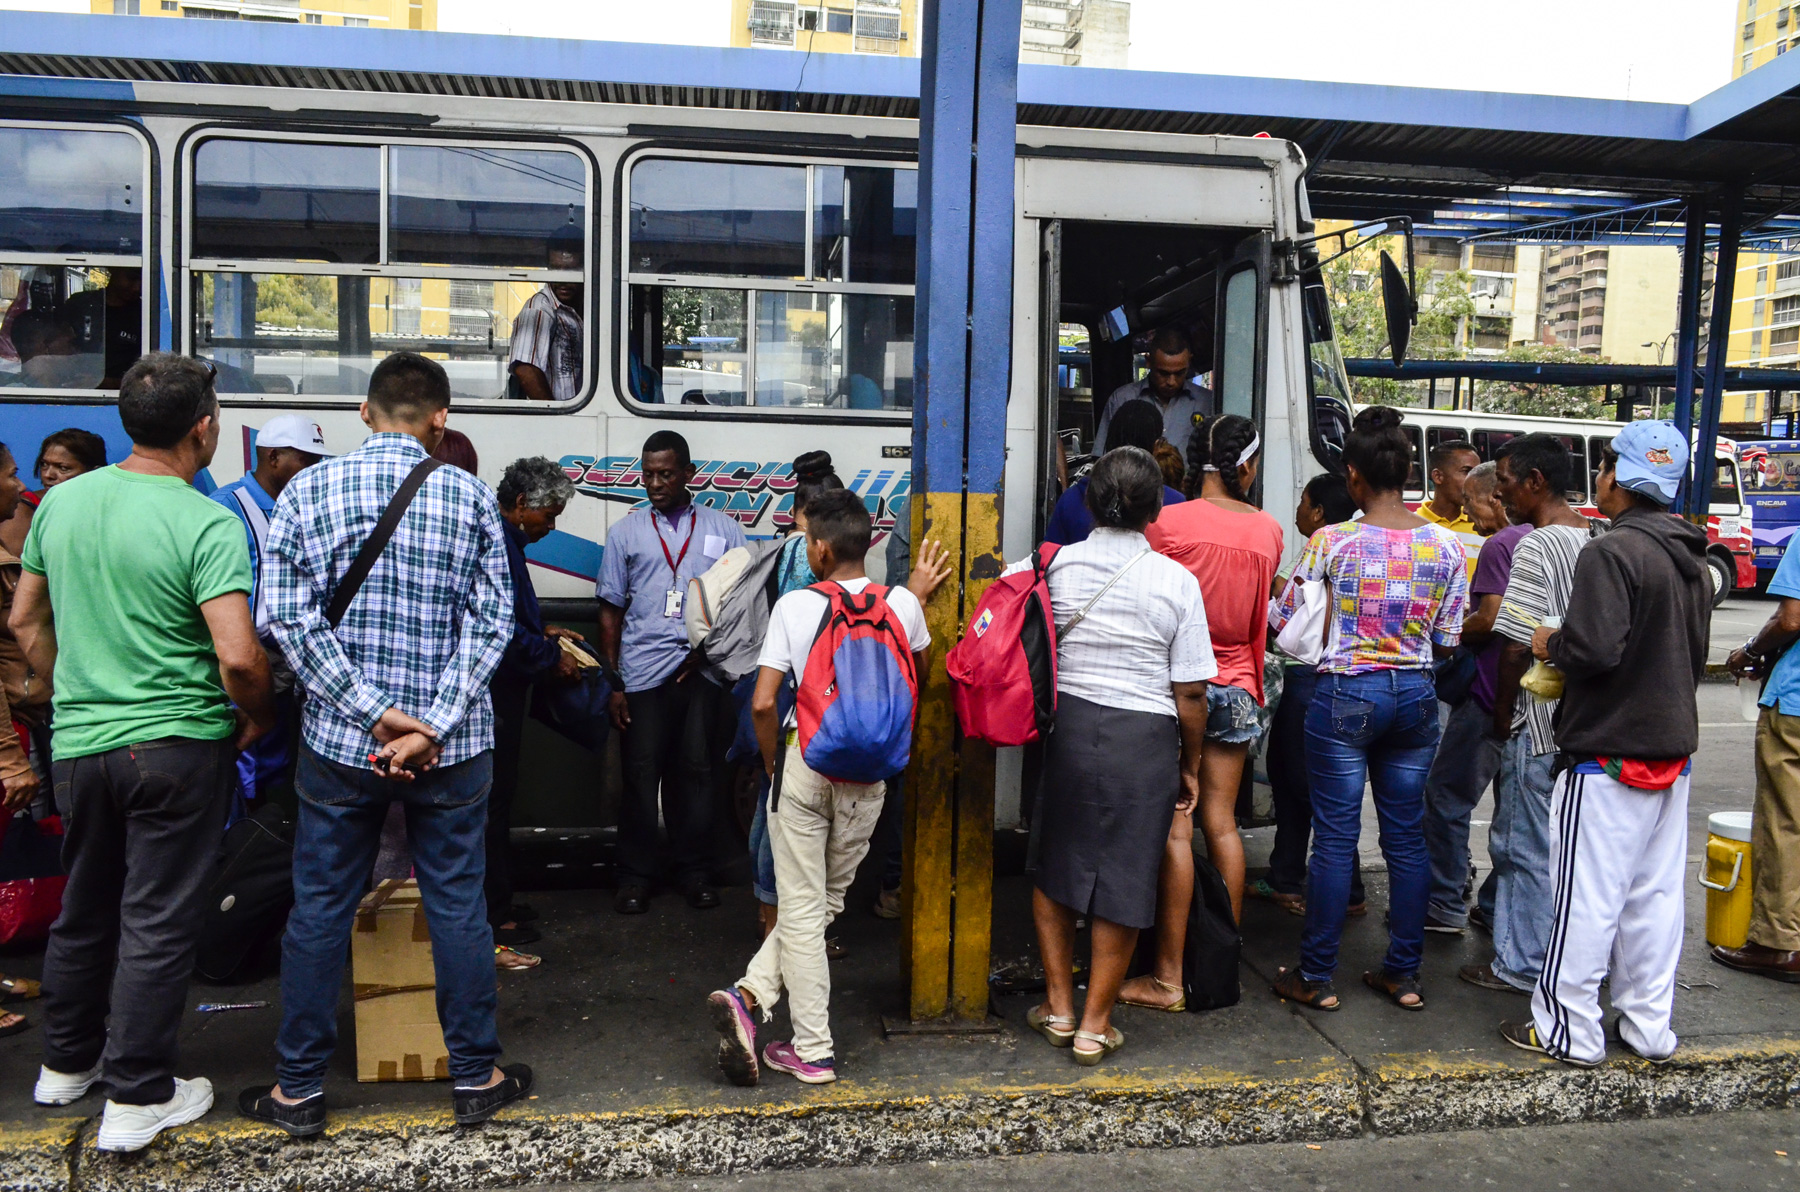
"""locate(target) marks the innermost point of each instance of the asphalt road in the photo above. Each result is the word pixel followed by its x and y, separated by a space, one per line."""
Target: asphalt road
pixel 1734 1152
pixel 1734 621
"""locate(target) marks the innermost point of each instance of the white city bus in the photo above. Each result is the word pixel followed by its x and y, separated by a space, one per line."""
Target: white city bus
pixel 1728 521
pixel 747 278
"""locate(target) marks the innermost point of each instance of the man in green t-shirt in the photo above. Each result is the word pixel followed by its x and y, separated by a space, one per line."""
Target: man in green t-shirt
pixel 134 596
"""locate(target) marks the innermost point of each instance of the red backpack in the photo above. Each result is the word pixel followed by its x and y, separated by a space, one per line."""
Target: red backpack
pixel 1003 671
pixel 855 703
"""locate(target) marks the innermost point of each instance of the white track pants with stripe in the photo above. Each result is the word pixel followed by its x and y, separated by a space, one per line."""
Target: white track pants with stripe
pixel 1618 857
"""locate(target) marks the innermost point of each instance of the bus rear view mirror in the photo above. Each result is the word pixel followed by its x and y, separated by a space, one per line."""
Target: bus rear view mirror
pixel 1397 303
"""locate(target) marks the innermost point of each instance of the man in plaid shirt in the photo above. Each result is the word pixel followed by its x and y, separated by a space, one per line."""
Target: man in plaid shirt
pixel 397 708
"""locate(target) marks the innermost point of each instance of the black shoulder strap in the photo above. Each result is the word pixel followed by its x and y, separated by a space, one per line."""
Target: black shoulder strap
pixel 364 562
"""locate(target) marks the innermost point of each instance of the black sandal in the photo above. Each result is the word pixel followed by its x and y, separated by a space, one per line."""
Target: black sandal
pixel 1396 988
pixel 1291 985
pixel 20 1023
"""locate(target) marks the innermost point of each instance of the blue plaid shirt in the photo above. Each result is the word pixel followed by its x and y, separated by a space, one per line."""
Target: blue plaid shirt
pixel 429 625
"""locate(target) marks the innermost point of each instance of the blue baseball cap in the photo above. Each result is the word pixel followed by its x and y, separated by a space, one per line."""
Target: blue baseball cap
pixel 1653 459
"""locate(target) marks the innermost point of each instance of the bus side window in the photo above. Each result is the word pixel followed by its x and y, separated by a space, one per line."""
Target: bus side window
pixel 1597 445
pixel 73 287
pixel 1578 481
pixel 757 283
pixel 310 261
pixel 1488 442
pixel 1437 436
pixel 1415 476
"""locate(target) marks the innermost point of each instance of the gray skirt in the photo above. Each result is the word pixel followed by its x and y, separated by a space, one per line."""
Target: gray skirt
pixel 1111 781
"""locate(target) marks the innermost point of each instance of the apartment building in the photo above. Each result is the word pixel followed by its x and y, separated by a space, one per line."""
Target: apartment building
pixel 828 26
pixel 1617 302
pixel 1503 283
pixel 1076 32
pixel 372 14
pixel 1765 308
pixel 1059 32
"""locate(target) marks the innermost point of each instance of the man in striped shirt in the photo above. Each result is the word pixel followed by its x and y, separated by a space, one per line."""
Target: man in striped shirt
pixel 546 338
pixel 397 709
pixel 1534 472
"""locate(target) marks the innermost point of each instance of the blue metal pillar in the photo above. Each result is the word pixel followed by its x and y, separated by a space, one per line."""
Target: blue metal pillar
pixel 962 369
pixel 1687 326
pixel 1718 341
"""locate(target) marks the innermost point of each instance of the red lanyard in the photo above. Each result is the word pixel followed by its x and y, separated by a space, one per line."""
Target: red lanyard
pixel 675 561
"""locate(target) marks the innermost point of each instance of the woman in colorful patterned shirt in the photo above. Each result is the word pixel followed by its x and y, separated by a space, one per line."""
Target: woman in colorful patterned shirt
pixel 1398 587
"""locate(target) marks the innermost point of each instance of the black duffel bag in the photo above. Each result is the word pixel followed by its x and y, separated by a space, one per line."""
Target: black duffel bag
pixel 1209 962
pixel 249 900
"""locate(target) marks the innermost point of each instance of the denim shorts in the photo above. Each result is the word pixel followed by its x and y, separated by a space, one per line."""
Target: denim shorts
pixel 1233 716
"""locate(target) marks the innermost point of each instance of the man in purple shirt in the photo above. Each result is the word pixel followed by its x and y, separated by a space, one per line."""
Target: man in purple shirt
pixel 1466 760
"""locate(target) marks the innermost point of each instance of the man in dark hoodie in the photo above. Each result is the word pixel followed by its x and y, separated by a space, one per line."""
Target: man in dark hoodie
pixel 1632 650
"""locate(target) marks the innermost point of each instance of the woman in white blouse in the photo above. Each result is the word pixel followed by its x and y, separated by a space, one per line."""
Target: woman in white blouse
pixel 1133 658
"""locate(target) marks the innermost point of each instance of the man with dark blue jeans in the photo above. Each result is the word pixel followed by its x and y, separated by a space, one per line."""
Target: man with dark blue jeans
pixel 342 809
pixel 397 709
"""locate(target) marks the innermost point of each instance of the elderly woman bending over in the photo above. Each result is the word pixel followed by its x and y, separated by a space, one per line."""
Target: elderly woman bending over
pixel 1133 658
pixel 533 493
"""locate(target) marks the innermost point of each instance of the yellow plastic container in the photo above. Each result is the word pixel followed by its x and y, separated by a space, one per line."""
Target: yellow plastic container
pixel 1726 875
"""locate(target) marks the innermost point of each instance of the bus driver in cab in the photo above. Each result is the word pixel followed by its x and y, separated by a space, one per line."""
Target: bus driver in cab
pixel 1170 384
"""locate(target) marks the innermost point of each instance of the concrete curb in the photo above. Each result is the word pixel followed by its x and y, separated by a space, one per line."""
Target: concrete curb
pixel 861 1124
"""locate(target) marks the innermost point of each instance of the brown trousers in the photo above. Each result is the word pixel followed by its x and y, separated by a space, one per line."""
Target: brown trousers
pixel 1775 834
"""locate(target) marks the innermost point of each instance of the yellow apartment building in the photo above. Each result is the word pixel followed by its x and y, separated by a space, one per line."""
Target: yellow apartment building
pixel 1055 32
pixel 1765 308
pixel 372 14
pixel 828 26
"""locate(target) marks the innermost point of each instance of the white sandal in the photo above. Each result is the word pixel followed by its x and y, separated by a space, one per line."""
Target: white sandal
pixel 1111 1041
pixel 1058 1029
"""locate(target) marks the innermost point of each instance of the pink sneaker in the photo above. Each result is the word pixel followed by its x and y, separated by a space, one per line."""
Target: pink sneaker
pixel 783 1058
pixel 737 1035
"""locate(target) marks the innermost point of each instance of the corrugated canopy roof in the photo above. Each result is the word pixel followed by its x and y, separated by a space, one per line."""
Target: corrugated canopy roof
pixel 1488 161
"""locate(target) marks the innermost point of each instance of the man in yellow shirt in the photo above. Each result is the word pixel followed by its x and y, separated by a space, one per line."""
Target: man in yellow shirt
pixel 1451 462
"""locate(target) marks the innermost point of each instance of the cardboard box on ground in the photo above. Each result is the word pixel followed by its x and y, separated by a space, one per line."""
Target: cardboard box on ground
pixel 397 1032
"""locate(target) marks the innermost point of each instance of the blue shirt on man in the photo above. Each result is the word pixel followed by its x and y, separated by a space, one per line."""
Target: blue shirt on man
pixel 1783 691
pixel 255 533
pixel 635 576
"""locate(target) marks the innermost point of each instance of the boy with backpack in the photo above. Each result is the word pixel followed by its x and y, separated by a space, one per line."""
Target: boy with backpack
pixel 850 648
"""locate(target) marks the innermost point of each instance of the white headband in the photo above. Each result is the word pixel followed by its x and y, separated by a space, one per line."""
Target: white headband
pixel 1249 453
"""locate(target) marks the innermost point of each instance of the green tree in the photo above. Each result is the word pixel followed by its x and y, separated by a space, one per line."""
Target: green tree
pixel 1353 284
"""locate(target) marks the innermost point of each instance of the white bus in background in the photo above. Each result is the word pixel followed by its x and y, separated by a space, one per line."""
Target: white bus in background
pixel 1729 554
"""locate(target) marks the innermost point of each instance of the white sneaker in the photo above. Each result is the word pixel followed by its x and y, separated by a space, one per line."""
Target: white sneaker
pixel 63 1088
pixel 134 1127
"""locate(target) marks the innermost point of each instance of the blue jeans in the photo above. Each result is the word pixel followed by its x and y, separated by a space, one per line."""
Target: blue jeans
pixel 762 854
pixel 1466 762
pixel 341 813
pixel 1519 840
pixel 1383 727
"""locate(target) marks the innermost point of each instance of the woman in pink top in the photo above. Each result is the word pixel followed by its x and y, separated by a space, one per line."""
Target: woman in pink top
pixel 1233 549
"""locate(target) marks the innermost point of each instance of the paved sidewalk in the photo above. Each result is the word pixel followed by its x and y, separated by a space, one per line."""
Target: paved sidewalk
pixel 615 1025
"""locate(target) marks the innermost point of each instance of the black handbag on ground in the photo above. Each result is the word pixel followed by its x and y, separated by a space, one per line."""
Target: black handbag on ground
pixel 248 902
pixel 1209 962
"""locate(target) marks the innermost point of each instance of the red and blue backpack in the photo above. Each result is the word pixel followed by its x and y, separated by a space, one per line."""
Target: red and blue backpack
pixel 856 699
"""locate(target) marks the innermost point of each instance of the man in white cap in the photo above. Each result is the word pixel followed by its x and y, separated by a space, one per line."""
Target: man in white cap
pixel 287 445
pixel 1632 650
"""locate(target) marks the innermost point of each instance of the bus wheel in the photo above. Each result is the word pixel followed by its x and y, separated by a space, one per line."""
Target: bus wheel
pixel 1724 573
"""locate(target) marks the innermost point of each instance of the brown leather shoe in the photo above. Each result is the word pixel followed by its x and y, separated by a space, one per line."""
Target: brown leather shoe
pixel 1764 962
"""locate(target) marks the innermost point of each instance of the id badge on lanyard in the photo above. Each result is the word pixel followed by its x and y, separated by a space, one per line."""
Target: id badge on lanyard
pixel 672 599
